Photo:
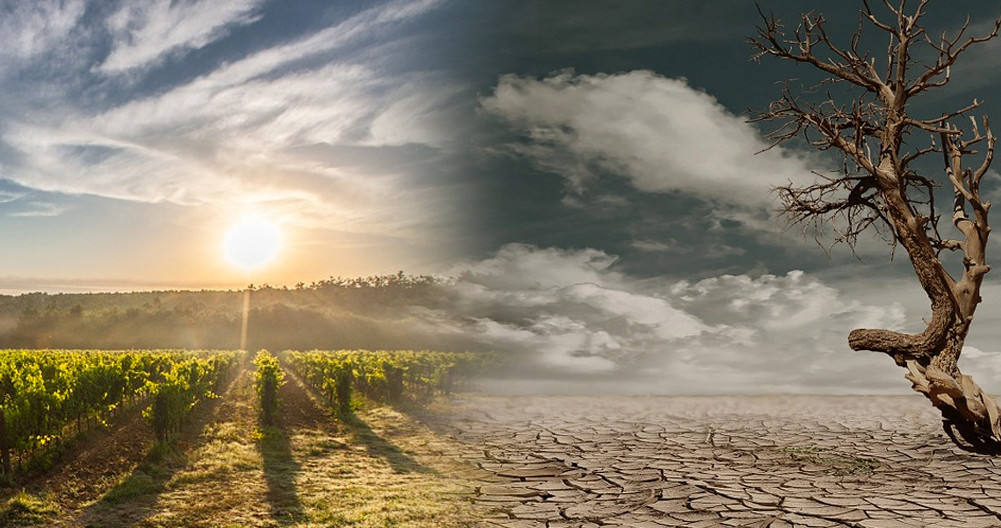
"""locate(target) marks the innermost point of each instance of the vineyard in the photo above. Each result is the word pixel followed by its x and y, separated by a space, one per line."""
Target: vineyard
pixel 50 398
pixel 384 376
pixel 46 395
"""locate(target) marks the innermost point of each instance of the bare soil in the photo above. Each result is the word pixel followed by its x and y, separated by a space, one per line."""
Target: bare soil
pixel 756 462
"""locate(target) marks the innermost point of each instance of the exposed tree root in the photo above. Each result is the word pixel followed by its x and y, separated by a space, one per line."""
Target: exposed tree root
pixel 966 409
pixel 879 186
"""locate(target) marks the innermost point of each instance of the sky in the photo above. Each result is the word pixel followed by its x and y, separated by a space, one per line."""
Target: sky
pixel 585 169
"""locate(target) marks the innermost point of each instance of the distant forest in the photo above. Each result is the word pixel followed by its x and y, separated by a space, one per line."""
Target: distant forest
pixel 370 312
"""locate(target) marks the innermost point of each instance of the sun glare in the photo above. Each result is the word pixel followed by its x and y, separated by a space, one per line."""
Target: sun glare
pixel 252 242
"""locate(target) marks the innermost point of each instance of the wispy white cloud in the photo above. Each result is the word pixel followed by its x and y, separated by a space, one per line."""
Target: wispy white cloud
pixel 374 23
pixel 233 135
pixel 38 209
pixel 10 196
pixel 144 32
pixel 226 145
pixel 31 28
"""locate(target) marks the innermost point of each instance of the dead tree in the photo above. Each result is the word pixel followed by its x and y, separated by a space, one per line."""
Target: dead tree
pixel 893 164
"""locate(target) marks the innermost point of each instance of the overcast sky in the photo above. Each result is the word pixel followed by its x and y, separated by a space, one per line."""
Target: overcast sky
pixel 586 168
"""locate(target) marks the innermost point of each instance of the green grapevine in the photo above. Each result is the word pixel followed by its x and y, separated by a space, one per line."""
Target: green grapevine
pixel 385 376
pixel 269 378
pixel 46 394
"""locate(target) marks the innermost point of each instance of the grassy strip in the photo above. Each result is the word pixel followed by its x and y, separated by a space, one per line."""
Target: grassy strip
pixel 842 465
pixel 24 509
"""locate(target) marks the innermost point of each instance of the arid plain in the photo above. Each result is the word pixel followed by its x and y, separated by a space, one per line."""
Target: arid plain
pixel 760 461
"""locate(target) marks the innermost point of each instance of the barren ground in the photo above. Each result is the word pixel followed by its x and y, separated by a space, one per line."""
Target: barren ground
pixel 766 461
pixel 532 462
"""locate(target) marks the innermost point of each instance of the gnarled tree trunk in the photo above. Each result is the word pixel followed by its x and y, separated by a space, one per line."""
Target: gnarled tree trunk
pixel 880 185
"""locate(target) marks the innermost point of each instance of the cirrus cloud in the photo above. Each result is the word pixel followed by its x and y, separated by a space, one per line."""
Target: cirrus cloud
pixel 146 31
pixel 31 28
pixel 234 135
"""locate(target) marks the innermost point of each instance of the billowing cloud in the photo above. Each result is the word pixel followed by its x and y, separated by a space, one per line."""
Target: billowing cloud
pixel 146 31
pixel 572 322
pixel 568 306
pixel 660 133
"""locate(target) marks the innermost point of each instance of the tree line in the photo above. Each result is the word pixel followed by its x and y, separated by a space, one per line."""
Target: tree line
pixel 363 312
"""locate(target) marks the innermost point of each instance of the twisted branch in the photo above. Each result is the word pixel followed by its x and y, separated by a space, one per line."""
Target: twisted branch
pixel 867 122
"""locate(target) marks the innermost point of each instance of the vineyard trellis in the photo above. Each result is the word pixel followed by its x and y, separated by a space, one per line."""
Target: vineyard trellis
pixel 46 395
pixel 384 376
pixel 268 378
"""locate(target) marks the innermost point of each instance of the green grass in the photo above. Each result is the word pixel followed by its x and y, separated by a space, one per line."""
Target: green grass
pixel 25 509
pixel 149 476
pixel 839 464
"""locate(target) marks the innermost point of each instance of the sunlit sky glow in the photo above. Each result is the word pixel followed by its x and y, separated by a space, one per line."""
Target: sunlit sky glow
pixel 585 165
pixel 252 242
pixel 180 115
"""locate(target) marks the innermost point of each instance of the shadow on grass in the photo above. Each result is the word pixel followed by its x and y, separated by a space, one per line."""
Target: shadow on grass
pixel 362 434
pixel 133 499
pixel 428 411
pixel 304 411
pixel 280 470
pixel 24 509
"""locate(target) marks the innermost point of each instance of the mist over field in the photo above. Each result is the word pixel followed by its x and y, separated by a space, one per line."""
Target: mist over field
pixel 564 321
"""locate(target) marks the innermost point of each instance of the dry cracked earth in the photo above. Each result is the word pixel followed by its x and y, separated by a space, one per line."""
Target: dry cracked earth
pixel 763 461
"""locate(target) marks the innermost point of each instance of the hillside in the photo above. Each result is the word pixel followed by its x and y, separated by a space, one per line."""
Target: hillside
pixel 369 312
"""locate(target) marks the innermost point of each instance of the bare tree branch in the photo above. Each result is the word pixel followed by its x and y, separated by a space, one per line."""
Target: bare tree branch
pixel 866 122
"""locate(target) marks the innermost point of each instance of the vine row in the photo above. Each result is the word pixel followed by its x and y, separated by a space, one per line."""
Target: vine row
pixel 384 376
pixel 47 395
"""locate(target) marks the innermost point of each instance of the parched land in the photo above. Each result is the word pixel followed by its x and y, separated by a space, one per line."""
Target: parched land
pixel 379 467
pixel 766 461
pixel 524 462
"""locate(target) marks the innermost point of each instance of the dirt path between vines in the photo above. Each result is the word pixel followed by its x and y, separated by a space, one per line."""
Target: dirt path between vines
pixel 379 468
pixel 90 467
pixel 211 448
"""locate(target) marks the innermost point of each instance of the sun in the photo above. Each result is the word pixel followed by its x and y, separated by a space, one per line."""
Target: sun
pixel 252 242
